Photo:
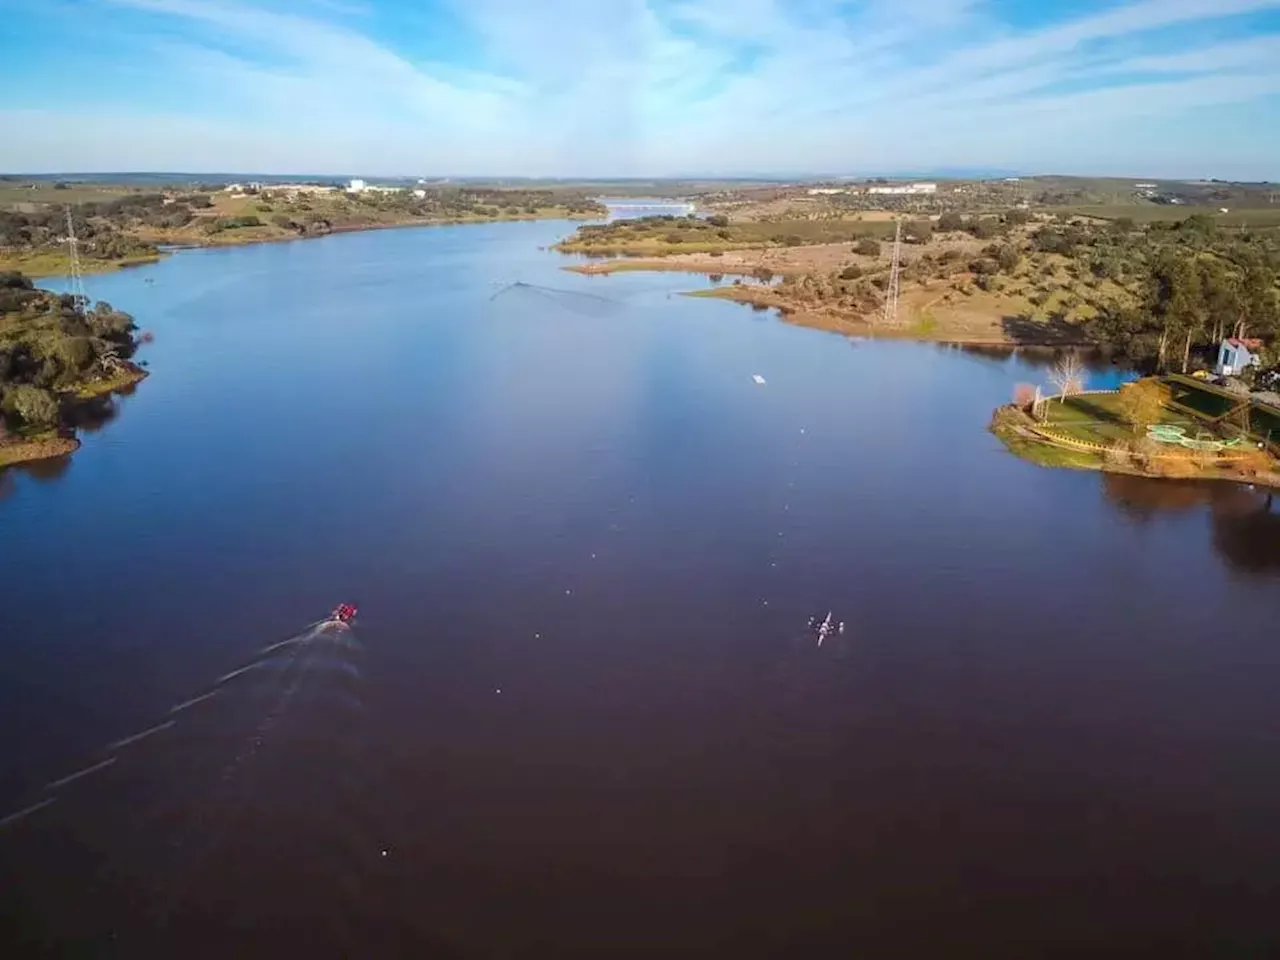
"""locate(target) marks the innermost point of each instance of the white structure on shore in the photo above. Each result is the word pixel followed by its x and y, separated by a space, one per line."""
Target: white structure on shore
pixel 909 189
pixel 357 186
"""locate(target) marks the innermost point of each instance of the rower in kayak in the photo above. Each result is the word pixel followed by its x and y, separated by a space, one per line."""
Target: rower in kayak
pixel 826 627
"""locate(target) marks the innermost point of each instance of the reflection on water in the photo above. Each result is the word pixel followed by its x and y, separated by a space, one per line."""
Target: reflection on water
pixel 1246 526
pixel 92 415
pixel 43 471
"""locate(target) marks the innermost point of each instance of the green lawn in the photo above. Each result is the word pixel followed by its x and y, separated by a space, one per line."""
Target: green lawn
pixel 1095 418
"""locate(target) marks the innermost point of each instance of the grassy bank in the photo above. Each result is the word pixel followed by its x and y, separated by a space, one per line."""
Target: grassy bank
pixel 55 264
pixel 120 381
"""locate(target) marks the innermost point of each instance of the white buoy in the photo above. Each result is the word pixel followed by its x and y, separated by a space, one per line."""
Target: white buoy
pixel 758 379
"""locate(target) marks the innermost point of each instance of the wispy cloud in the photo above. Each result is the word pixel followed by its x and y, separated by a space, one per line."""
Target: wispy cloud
pixel 653 86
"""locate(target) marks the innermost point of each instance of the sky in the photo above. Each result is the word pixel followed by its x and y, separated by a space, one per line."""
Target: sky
pixel 635 88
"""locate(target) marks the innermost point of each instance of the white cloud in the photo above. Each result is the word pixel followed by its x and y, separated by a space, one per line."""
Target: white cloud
pixel 653 86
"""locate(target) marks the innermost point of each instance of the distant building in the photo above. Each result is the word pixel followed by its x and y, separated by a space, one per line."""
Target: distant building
pixel 1236 355
pixel 1145 186
pixel 357 186
pixel 909 189
pixel 825 191
pixel 420 193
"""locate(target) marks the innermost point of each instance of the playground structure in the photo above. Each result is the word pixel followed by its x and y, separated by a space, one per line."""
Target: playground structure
pixel 1173 434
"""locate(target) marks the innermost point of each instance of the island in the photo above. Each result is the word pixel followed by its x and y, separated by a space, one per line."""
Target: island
pixel 118 225
pixel 57 356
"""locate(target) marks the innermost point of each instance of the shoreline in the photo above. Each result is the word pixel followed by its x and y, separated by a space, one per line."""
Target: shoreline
pixel 58 264
pixel 41 448
pixel 761 296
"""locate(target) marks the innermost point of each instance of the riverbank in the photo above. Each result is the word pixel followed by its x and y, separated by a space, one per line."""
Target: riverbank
pixel 839 287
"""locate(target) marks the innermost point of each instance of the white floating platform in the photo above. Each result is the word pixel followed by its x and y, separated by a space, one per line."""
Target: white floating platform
pixel 758 379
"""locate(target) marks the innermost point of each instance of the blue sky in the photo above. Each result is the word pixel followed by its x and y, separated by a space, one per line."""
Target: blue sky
pixel 642 87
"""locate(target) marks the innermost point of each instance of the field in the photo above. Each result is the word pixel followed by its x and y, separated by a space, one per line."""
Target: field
pixel 1143 213
pixel 14 194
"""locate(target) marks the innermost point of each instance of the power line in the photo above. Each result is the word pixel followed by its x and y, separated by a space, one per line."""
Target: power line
pixel 77 279
pixel 891 291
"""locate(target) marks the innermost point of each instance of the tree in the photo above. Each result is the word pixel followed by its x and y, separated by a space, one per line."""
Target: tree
pixel 34 406
pixel 1067 375
pixel 917 231
pixel 718 220
pixel 1221 293
pixel 950 221
pixel 1008 258
pixel 1017 217
pixel 851 272
pixel 867 247
pixel 983 228
pixel 1142 403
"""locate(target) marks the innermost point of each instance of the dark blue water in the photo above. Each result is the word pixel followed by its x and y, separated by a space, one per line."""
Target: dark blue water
pixel 581 714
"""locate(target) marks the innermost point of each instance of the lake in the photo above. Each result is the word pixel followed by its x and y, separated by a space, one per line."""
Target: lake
pixel 581 713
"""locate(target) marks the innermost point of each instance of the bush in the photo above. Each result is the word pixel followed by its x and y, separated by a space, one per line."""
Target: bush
pixel 867 247
pixel 35 407
pixel 718 220
pixel 674 237
pixel 984 228
pixel 918 231
pixel 851 272
pixel 950 222
pixel 1017 217
pixel 1007 257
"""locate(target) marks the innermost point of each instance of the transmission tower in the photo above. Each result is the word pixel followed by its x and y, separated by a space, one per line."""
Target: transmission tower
pixel 891 291
pixel 77 279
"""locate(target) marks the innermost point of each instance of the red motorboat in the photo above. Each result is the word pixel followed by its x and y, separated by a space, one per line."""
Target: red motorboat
pixel 343 613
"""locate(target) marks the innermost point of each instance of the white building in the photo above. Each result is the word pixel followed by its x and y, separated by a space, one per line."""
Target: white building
pixel 824 191
pixel 420 193
pixel 910 189
pixel 356 186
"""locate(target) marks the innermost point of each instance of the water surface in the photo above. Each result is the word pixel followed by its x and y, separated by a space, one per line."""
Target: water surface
pixel 581 714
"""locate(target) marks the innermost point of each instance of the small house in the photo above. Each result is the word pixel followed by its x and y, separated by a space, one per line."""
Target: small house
pixel 1234 355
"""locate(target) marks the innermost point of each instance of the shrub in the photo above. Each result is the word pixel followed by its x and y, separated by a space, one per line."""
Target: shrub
pixel 867 247
pixel 950 221
pixel 718 220
pixel 851 272
pixel 34 406
pixel 1007 258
